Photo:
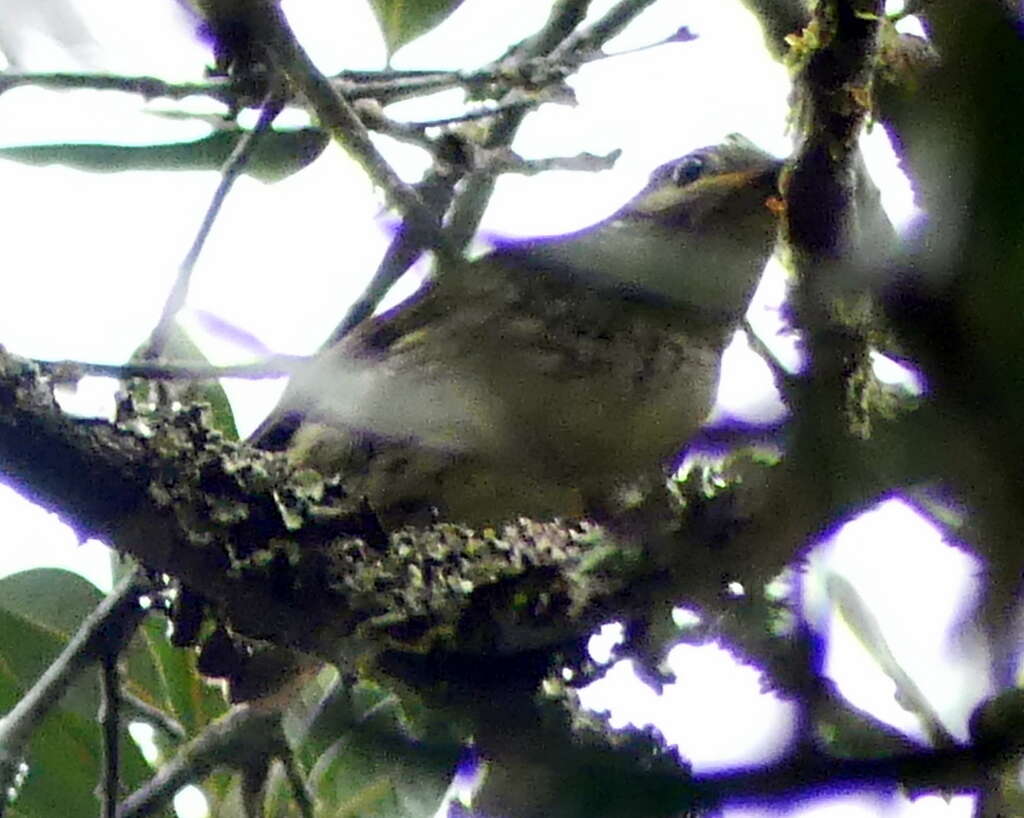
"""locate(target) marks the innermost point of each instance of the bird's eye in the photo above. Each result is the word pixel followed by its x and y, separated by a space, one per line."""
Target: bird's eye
pixel 688 170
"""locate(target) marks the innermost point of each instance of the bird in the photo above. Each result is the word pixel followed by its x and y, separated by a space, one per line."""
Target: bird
pixel 548 376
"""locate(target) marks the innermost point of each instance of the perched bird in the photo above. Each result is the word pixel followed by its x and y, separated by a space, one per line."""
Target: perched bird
pixel 542 378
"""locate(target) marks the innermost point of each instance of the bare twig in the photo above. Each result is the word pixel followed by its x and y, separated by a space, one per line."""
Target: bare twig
pixel 506 161
pixel 681 35
pixel 470 204
pixel 858 616
pixel 147 87
pixel 277 366
pixel 373 118
pixel 300 789
pixel 436 189
pixel 110 723
pixel 242 735
pixel 336 115
pixel 233 167
pixel 384 86
pixel 470 116
pixel 561 43
pixel 105 631
pixel 593 37
pixel 154 716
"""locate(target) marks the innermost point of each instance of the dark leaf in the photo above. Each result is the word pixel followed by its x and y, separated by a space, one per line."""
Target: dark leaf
pixel 40 610
pixel 402 21
pixel 166 677
pixel 278 154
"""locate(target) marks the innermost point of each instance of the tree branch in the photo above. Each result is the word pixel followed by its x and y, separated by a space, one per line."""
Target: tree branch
pixel 266 21
pixel 469 206
pixel 279 555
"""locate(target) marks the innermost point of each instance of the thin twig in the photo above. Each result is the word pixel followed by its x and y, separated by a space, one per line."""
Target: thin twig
pixel 594 36
pixel 470 116
pixel 266 19
pixel 848 602
pixel 374 119
pixel 566 48
pixel 300 789
pixel 243 736
pixel 233 167
pixel 146 87
pixel 682 35
pixel 393 86
pixel 506 161
pixel 384 86
pixel 154 716
pixel 437 189
pixel 104 631
pixel 277 366
pixel 469 206
pixel 782 378
pixel 110 723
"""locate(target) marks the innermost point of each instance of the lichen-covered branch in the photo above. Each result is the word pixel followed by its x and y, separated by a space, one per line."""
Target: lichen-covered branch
pixel 288 557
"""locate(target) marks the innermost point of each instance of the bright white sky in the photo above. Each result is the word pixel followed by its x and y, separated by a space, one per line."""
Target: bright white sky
pixel 89 259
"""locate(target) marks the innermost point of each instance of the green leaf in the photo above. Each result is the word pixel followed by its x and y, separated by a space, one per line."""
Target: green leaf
pixel 40 610
pixel 64 764
pixel 166 677
pixel 181 349
pixel 402 21
pixel 362 760
pixel 278 154
pixel 222 794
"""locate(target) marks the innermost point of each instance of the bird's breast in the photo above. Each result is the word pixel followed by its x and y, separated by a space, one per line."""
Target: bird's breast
pixel 592 405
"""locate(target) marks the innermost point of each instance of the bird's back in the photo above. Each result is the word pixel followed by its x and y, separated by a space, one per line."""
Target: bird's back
pixel 506 390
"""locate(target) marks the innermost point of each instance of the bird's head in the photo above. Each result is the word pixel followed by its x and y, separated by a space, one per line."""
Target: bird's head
pixel 707 189
pixel 698 234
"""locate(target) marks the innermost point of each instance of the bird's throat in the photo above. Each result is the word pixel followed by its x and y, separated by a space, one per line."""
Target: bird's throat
pixel 715 273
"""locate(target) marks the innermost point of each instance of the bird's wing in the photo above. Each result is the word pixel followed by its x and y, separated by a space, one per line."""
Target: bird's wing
pixel 396 377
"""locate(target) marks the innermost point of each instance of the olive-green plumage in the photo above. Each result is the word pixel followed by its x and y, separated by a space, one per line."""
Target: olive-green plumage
pixel 543 377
